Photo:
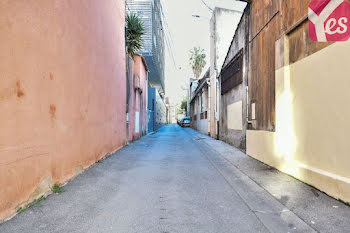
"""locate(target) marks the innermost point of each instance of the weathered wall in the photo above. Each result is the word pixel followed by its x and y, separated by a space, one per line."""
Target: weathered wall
pixel 264 31
pixel 137 97
pixel 233 123
pixel 199 113
pixel 140 70
pixel 223 25
pixel 131 100
pixel 161 112
pixel 151 106
pixel 268 22
pixel 300 88
pixel 156 110
pixel 312 121
pixel 62 92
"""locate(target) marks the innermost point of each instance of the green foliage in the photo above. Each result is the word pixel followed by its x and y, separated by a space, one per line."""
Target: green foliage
pixel 23 208
pixel 183 106
pixel 40 199
pixel 197 61
pixel 134 31
pixel 56 189
pixel 20 210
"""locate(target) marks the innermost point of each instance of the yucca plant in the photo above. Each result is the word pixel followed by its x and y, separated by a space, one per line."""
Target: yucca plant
pixel 134 31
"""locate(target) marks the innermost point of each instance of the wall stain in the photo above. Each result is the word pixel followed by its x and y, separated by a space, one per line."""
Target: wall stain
pixel 9 24
pixel 53 111
pixel 6 93
pixel 19 90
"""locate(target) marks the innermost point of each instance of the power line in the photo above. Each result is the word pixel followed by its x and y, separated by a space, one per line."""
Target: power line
pixel 211 10
pixel 168 37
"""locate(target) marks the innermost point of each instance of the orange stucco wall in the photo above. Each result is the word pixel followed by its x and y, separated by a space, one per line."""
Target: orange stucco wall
pixel 62 92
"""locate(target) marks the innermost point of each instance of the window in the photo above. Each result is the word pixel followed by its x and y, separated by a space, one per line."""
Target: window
pixel 202 102
pixel 232 74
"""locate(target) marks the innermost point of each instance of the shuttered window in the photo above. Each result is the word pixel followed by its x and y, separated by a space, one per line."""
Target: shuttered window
pixel 232 74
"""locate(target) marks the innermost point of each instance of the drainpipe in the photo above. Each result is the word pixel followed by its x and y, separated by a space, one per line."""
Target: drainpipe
pixel 127 97
pixel 127 85
pixel 247 11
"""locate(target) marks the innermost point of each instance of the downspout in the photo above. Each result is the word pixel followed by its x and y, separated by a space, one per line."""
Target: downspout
pixel 127 99
pixel 127 87
pixel 247 61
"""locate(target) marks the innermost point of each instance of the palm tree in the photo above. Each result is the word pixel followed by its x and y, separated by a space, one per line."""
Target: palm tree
pixel 197 61
pixel 134 31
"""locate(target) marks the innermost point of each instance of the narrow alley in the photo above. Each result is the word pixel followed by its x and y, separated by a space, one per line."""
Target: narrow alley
pixel 177 180
pixel 163 116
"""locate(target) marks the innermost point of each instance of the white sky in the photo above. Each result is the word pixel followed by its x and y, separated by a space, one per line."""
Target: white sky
pixel 185 32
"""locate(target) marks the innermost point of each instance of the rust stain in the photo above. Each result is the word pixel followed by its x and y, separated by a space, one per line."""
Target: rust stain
pixel 19 89
pixel 53 111
pixel 51 76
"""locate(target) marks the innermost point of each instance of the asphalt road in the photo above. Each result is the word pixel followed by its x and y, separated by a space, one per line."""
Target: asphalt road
pixel 166 182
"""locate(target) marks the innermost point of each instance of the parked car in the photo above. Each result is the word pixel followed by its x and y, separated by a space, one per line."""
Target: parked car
pixel 186 122
pixel 179 121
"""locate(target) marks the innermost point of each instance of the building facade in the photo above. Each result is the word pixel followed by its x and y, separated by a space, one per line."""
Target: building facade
pixel 151 13
pixel 62 93
pixel 233 80
pixel 297 91
pixel 137 94
pixel 172 113
pixel 281 96
pixel 157 111
pixel 199 105
pixel 223 25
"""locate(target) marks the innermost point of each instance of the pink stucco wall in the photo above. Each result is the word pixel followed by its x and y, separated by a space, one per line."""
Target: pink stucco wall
pixel 131 101
pixel 62 92
pixel 141 71
pixel 137 97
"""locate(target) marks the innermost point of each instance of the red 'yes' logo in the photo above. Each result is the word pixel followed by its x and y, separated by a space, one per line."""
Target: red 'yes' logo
pixel 329 20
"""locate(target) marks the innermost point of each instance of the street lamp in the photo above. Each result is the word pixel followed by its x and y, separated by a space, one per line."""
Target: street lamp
pixel 198 17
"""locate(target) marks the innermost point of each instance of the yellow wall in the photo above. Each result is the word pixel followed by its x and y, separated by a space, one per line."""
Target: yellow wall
pixel 311 141
pixel 234 116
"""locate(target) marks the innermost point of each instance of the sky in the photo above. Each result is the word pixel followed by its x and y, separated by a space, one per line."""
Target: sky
pixel 185 32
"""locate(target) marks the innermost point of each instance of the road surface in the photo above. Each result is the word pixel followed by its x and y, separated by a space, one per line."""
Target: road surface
pixel 166 182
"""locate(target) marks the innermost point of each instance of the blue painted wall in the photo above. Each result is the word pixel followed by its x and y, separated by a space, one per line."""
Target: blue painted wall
pixel 156 110
pixel 151 108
